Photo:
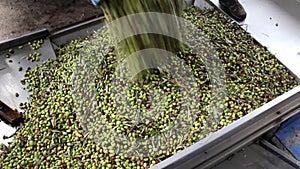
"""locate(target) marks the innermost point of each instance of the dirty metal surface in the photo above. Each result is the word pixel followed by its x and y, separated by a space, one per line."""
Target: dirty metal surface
pixel 77 31
pixel 10 77
pixel 203 4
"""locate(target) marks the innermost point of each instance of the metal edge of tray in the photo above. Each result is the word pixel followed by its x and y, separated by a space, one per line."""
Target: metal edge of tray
pixel 76 31
pixel 202 4
pixel 214 148
pixel 6 44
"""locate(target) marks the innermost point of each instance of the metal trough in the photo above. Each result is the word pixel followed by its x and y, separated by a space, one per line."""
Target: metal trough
pixel 282 40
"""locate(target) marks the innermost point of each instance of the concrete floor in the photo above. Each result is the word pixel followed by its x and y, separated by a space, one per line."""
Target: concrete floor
pixel 18 17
